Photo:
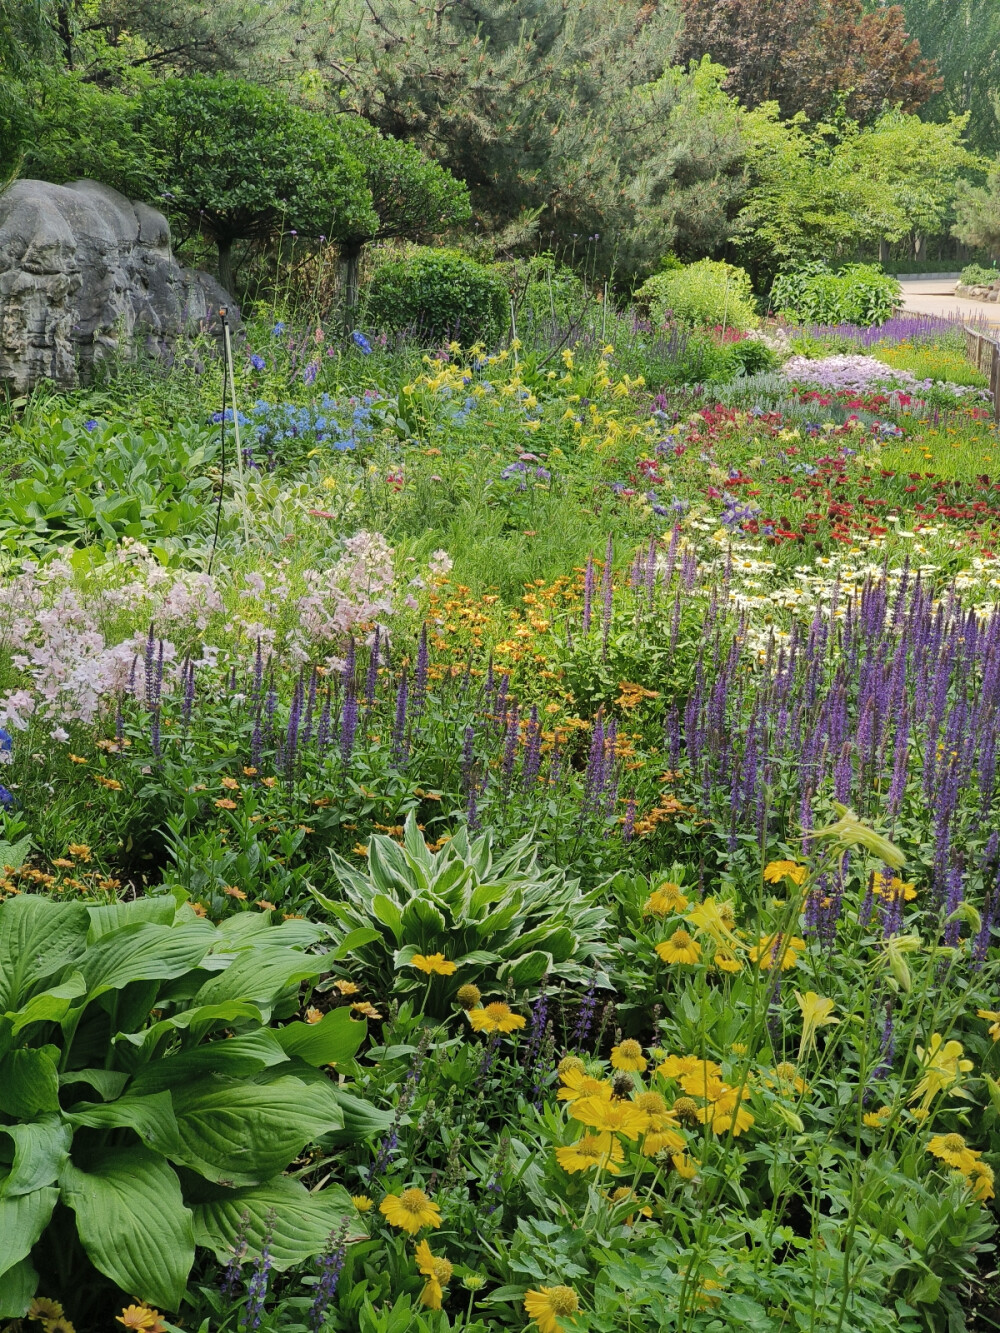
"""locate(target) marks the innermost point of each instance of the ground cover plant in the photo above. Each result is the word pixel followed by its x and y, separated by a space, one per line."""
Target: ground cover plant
pixel 513 846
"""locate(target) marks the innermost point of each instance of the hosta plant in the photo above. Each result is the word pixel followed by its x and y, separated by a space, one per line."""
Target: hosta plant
pixel 151 1096
pixel 498 916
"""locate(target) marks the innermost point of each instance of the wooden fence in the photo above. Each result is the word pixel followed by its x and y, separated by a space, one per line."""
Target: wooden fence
pixel 984 353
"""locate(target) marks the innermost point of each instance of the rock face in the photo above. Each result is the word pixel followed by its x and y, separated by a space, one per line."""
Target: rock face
pixel 86 275
pixel 979 293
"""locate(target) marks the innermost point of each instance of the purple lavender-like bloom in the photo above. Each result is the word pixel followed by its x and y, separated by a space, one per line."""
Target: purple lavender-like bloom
pixel 953 901
pixel 307 724
pixel 331 1263
pixel 399 746
pixel 348 727
pixel 258 672
pixel 887 1045
pixel 420 672
pixel 585 1018
pixel 231 1272
pixel 607 598
pixel 510 747
pixel 536 1030
pixel 323 730
pixel 260 1281
pixel 292 732
pixel 257 743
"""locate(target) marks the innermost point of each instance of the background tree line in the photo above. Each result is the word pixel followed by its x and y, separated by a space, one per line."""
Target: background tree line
pixel 608 132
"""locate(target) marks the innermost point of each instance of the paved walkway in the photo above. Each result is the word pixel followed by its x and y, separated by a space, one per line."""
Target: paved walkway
pixel 936 296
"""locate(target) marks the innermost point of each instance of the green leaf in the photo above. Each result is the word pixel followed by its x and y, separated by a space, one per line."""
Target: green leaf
pixel 107 1083
pixel 17 1289
pixel 14 853
pixel 132 1222
pixel 236 1057
pixel 199 1021
pixel 299 1224
pixel 250 928
pixel 23 1218
pixel 29 1084
pixel 422 922
pixel 37 938
pixel 152 1118
pixel 386 911
pixel 260 975
pixel 245 1133
pixel 528 970
pixel 362 1120
pixel 144 952
pixel 335 1038
pixel 41 1148
pixel 108 917
pixel 355 939
pixel 52 1005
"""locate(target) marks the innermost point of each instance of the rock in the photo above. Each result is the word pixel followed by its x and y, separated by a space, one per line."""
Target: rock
pixel 87 276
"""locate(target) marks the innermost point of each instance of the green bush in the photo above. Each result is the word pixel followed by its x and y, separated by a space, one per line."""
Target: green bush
pixel 146 1106
pixel 500 918
pixel 977 275
pixel 709 292
pixel 441 294
pixel 856 294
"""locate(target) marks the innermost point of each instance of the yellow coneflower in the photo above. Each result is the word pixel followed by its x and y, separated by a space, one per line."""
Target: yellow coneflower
pixel 435 963
pixel 362 1203
pixel 608 1116
pixel 578 1083
pixel 410 1211
pixel 676 1066
pixel 981 1181
pixel 776 871
pixel 548 1304
pixel 141 1318
pixel 628 1055
pixel 685 1166
pixel 43 1309
pixel 765 954
pixel 664 900
pixel 601 1150
pixel 495 1017
pixel 679 948
pixel 365 1009
pixel 877 1119
pixel 346 987
pixel 954 1151
pixel 437 1271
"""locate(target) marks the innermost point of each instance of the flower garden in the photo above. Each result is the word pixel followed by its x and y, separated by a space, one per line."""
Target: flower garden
pixel 507 840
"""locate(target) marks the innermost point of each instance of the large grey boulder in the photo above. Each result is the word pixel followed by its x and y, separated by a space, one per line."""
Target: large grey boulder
pixel 86 275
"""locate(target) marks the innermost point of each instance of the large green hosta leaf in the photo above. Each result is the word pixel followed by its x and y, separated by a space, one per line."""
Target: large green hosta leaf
pixel 133 1222
pixel 297 1222
pixel 334 1039
pixel 37 938
pixel 17 1287
pixel 41 1148
pixel 144 952
pixel 23 1218
pixel 29 1083
pixel 244 1133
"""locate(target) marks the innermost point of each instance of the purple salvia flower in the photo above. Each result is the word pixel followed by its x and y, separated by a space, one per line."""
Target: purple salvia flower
pixel 307 725
pixel 330 1264
pixel 348 727
pixel 257 743
pixel 536 1030
pixel 231 1272
pixel 323 730
pixel 585 1018
pixel 260 1281
pixel 510 747
pixel 258 672
pixel 294 721
pixel 399 746
pixel 887 1045
pixel 953 901
pixel 420 672
pixel 533 749
pixel 607 598
pixel 373 665
pixel 148 662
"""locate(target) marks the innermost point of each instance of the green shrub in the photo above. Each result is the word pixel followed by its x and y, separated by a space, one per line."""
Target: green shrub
pixel 709 292
pixel 977 275
pixel 440 293
pixel 498 918
pixel 857 294
pixel 146 1104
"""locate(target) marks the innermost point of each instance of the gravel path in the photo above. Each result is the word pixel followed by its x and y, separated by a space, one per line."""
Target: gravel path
pixel 936 296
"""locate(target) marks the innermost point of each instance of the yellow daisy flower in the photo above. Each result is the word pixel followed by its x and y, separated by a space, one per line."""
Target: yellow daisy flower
pixel 602 1150
pixel 578 1083
pixel 362 1203
pixel 776 871
pixel 664 900
pixel 410 1211
pixel 765 954
pixel 496 1017
pixel 628 1055
pixel 679 948
pixel 437 1271
pixel 433 963
pixel 548 1304
pixel 609 1117
pixel 954 1151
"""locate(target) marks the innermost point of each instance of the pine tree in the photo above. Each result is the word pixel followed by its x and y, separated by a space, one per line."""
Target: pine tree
pixel 573 109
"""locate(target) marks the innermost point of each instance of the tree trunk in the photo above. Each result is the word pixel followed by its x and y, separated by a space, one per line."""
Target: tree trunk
pixel 884 253
pixel 351 254
pixel 919 247
pixel 225 248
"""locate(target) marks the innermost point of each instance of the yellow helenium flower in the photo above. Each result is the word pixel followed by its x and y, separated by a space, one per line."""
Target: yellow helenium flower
pixel 437 1271
pixel 776 871
pixel 953 1150
pixel 765 954
pixel 601 1150
pixel 546 1305
pixel 943 1065
pixel 578 1083
pixel 981 1181
pixel 410 1211
pixel 664 900
pixel 680 948
pixel 726 1113
pixel 877 1119
pixel 788 1080
pixel 628 1055
pixel 994 1028
pixel 816 1013
pixel 685 1166
pixel 609 1117
pixel 676 1066
pixel 496 1017
pixel 361 1202
pixel 726 961
pixel 141 1318
pixel 892 887
pixel 41 1308
pixel 434 962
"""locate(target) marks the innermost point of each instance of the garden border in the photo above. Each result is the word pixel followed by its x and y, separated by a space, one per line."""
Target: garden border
pixel 984 352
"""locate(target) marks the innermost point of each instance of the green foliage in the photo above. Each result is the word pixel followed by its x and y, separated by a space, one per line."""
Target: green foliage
pixel 709 292
pixel 121 1102
pixel 978 275
pixel 495 915
pixel 977 213
pixel 441 293
pixel 240 162
pixel 857 294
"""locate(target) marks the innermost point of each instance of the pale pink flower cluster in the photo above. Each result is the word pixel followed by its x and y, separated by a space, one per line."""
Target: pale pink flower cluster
pixel 357 590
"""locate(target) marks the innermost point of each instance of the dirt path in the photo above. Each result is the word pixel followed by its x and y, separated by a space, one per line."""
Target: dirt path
pixel 936 296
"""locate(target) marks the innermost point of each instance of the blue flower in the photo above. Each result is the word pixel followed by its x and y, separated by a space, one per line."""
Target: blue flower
pixel 6 798
pixel 6 741
pixel 257 361
pixel 278 329
pixel 361 342
pixel 90 425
